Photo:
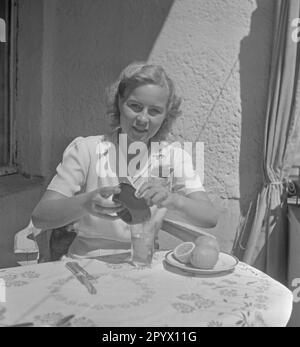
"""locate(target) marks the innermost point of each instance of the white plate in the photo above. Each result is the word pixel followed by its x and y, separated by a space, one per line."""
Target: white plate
pixel 225 263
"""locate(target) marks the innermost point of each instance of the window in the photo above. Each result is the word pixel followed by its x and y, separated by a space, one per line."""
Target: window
pixel 6 87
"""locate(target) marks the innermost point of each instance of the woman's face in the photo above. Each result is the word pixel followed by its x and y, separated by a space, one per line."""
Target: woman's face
pixel 143 112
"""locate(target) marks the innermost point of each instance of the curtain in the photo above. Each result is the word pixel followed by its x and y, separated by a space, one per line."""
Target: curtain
pixel 264 243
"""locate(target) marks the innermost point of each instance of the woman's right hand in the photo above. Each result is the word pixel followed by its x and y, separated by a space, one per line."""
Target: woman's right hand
pixel 98 204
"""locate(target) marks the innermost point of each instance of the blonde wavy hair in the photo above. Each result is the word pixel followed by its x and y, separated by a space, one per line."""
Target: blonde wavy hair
pixel 133 76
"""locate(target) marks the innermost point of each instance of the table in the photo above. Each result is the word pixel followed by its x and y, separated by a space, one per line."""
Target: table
pixel 158 296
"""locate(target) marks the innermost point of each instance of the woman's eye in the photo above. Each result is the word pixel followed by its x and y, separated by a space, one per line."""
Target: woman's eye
pixel 154 111
pixel 136 107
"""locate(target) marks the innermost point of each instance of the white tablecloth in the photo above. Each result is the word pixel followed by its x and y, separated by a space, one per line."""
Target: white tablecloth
pixel 157 296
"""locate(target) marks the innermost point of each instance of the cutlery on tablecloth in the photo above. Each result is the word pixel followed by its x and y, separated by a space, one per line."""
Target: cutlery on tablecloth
pixel 62 322
pixel 76 266
pixel 82 278
pixel 21 325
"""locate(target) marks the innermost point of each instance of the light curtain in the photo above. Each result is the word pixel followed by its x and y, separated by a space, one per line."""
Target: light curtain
pixel 264 244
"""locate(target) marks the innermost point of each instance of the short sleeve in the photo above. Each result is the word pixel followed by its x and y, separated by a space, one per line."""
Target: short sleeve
pixel 185 179
pixel 71 173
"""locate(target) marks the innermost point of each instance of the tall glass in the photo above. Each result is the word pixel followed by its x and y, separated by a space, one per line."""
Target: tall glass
pixel 142 243
pixel 143 235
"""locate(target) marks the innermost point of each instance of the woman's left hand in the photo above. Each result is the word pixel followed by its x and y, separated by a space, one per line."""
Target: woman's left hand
pixel 157 194
pixel 197 207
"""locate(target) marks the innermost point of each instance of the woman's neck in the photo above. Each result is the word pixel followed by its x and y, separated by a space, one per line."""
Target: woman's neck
pixel 122 144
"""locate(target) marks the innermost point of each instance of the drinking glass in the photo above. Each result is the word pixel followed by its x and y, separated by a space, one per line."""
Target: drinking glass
pixel 143 234
pixel 142 243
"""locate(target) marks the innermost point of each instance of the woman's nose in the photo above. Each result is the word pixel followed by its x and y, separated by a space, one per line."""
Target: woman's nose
pixel 142 118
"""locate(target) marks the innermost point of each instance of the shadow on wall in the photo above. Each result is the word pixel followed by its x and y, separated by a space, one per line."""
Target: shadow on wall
pixel 255 61
pixel 94 41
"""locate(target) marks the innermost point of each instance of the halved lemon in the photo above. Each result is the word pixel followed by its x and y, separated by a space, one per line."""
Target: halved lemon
pixel 183 252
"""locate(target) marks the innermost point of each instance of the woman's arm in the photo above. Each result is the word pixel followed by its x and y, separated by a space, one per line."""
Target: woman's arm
pixel 56 210
pixel 196 207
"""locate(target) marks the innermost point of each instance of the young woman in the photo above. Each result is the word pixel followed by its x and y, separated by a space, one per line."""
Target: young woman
pixel 142 105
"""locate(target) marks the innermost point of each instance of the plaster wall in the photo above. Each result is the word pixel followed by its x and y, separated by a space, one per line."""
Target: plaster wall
pixel 219 53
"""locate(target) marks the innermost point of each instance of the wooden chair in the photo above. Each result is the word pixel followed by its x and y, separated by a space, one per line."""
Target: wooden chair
pixel 36 245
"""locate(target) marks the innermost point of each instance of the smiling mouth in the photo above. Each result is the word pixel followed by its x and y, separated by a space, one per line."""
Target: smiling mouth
pixel 140 130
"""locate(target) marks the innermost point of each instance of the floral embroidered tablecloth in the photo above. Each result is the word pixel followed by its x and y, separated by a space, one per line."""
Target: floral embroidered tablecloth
pixel 156 296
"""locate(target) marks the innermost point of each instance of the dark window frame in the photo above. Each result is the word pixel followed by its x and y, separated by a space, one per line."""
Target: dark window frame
pixel 7 90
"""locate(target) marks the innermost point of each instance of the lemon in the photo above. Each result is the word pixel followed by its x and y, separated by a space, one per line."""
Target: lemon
pixel 204 257
pixel 207 241
pixel 183 252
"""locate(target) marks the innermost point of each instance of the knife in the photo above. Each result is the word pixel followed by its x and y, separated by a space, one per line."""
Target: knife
pixel 79 268
pixel 81 278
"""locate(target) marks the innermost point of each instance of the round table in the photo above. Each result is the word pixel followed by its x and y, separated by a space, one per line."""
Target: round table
pixel 127 296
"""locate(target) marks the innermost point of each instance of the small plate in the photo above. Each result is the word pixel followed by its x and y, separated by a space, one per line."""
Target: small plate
pixel 225 263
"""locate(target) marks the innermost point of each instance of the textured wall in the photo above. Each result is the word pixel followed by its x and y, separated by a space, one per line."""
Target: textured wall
pixel 29 123
pixel 218 52
pixel 89 42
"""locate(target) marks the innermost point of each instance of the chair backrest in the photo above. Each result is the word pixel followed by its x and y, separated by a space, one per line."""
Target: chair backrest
pixel 60 241
pixel 33 244
pixel 26 249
